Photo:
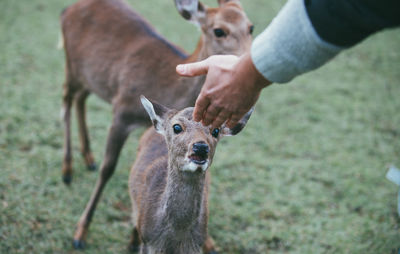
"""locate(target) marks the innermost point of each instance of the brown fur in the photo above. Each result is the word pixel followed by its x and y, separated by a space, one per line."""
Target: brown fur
pixel 113 52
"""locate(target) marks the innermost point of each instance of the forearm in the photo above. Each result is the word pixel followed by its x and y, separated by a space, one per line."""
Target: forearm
pixel 255 80
pixel 290 46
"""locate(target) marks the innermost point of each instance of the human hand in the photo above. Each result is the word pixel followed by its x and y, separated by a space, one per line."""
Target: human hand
pixel 232 87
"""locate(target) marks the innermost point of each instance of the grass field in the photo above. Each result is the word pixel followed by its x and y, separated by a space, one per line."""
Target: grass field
pixel 305 176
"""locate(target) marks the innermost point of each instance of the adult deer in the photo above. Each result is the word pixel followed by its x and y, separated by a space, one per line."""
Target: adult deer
pixel 113 52
pixel 169 182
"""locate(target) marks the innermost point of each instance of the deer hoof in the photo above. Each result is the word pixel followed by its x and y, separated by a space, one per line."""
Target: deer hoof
pixel 67 179
pixel 133 248
pixel 78 244
pixel 92 167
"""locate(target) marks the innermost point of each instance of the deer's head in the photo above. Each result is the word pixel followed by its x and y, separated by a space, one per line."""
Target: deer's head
pixel 191 145
pixel 226 29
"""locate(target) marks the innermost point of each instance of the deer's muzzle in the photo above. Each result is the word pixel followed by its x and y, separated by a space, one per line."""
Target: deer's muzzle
pixel 200 153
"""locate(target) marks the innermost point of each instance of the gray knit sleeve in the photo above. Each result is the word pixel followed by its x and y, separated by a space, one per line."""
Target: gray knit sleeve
pixel 290 46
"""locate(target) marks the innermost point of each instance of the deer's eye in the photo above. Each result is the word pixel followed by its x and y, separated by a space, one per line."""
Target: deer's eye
pixel 219 32
pixel 177 128
pixel 251 29
pixel 215 133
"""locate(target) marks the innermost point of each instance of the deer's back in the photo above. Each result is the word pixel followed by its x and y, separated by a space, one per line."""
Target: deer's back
pixel 115 53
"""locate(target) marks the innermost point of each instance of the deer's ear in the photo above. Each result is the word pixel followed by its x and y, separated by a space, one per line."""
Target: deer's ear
pixel 191 10
pixel 239 126
pixel 156 112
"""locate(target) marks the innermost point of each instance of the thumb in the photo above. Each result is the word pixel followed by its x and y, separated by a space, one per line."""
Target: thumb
pixel 192 69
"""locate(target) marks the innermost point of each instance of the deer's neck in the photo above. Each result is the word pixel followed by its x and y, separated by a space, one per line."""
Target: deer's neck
pixel 200 53
pixel 193 84
pixel 182 201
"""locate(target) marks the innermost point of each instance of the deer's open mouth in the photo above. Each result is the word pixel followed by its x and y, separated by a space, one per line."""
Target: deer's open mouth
pixel 198 159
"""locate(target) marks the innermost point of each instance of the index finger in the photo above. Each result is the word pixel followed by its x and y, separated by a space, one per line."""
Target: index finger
pixel 193 69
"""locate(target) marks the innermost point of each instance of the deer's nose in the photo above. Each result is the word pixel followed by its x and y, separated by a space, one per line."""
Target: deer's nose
pixel 200 148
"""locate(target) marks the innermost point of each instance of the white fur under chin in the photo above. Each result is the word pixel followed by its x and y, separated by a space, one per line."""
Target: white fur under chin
pixel 192 167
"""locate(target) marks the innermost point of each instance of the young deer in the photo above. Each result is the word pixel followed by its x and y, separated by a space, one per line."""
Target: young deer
pixel 169 182
pixel 111 51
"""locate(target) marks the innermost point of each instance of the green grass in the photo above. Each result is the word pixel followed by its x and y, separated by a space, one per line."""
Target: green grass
pixel 305 176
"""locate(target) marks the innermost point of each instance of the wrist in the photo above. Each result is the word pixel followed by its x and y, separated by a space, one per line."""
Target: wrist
pixel 257 79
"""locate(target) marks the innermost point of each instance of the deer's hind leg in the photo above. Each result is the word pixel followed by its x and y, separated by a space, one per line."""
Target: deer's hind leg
pixel 117 136
pixel 80 100
pixel 68 96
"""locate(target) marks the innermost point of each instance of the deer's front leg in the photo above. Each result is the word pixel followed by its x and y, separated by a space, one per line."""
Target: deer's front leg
pixel 209 246
pixel 117 135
